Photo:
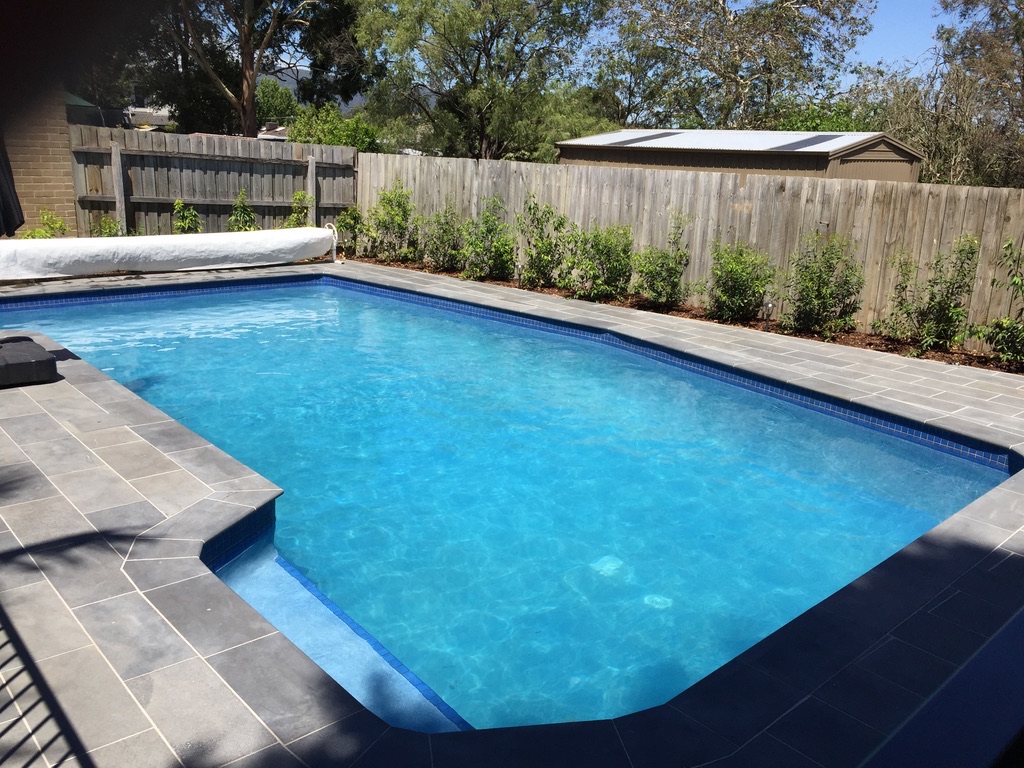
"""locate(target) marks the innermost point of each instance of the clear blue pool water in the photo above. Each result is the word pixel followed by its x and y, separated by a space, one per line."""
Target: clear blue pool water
pixel 542 528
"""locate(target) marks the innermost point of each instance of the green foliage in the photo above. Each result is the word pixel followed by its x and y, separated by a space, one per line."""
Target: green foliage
pixel 546 236
pixel 443 241
pixel 823 288
pixel 349 220
pixel 299 217
pixel 598 266
pixel 186 220
pixel 1006 334
pixel 933 315
pixel 740 278
pixel 490 250
pixel 658 272
pixel 389 229
pixel 51 225
pixel 828 115
pixel 243 217
pixel 326 125
pixel 105 226
pixel 274 102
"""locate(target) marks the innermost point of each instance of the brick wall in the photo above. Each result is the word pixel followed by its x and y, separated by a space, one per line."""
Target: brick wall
pixel 40 150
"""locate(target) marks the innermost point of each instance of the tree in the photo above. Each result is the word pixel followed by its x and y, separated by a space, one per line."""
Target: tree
pixel 338 67
pixel 326 125
pixel 274 102
pixel 469 70
pixel 726 63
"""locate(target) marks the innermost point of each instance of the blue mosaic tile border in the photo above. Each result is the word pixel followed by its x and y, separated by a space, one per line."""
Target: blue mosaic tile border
pixel 425 690
pixel 229 544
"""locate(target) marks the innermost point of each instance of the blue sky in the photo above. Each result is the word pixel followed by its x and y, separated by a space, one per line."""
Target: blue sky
pixel 903 29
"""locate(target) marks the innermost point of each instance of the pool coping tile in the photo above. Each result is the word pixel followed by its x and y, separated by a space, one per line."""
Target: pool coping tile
pixel 907 635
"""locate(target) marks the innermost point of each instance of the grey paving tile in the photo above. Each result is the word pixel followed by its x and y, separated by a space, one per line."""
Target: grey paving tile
pixel 826 735
pixel 274 756
pixel 208 614
pixel 180 699
pixel 16 402
pixel 304 699
pixel 101 392
pixel 158 549
pixel 1002 585
pixel 8 711
pixel 94 489
pixel 10 453
pixel 590 743
pixel 120 525
pixel 766 751
pixel 16 566
pixel 42 622
pixel 143 750
pixel 80 679
pixel 865 696
pixel 248 483
pixel 132 635
pixel 939 637
pixel 909 667
pixel 172 492
pixel 100 438
pixel 18 748
pixel 80 372
pixel 150 574
pixel 972 612
pixel 201 521
pixel 398 747
pixel 24 482
pixel 170 436
pixel 136 412
pixel 84 572
pixel 47 522
pixel 54 457
pixel 663 736
pixel 135 460
pixel 998 507
pixel 210 464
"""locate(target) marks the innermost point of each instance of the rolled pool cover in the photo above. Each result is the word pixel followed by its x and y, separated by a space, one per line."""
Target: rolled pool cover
pixel 74 256
pixel 23 361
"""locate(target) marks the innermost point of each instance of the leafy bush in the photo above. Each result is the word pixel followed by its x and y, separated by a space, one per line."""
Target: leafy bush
pixel 105 226
pixel 490 250
pixel 740 278
pixel 443 240
pixel 299 217
pixel 598 265
pixel 389 229
pixel 933 315
pixel 1006 334
pixel 658 272
pixel 823 288
pixel 51 225
pixel 243 217
pixel 546 236
pixel 186 220
pixel 326 125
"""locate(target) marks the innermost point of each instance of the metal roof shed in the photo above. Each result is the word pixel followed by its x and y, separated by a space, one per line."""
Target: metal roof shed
pixel 777 153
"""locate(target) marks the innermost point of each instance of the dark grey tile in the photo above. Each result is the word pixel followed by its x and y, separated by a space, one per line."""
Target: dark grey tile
pixel 1002 585
pixel 939 637
pixel 180 700
pixel 340 744
pixel 736 701
pixel 105 391
pixel 84 572
pixel 134 460
pixel 972 612
pixel 120 525
pixel 907 666
pixel 304 699
pixel 16 402
pixel 10 453
pixel 143 750
pixel 16 566
pixel 94 489
pixel 172 492
pixel 136 412
pixel 33 428
pixel 274 756
pixel 149 549
pixel 247 483
pixel 201 521
pixel 397 747
pixel 208 614
pixel 150 574
pixel 99 438
pixel 875 701
pixel 825 734
pixel 545 746
pixel 170 436
pixel 43 624
pixel 210 464
pixel 132 635
pixel 55 457
pixel 18 748
pixel 663 736
pixel 48 522
pixel 79 680
pixel 766 751
pixel 24 482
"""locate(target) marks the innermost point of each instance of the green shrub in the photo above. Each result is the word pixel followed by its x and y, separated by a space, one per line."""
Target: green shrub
pixel 243 217
pixel 50 225
pixel 658 272
pixel 326 125
pixel 389 229
pixel 490 250
pixel 1006 334
pixel 443 240
pixel 823 288
pixel 299 217
pixel 186 220
pixel 740 278
pixel 933 315
pixel 105 226
pixel 546 237
pixel 598 266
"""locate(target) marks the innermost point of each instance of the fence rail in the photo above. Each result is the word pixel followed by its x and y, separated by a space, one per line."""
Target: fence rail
pixel 135 177
pixel 773 214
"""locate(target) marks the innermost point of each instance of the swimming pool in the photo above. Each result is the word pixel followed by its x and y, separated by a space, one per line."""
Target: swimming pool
pixel 597 571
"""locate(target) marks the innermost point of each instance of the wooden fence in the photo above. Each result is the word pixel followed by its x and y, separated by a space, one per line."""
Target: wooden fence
pixel 134 177
pixel 772 213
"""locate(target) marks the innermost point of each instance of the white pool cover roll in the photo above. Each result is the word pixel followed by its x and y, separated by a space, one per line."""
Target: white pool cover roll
pixel 67 257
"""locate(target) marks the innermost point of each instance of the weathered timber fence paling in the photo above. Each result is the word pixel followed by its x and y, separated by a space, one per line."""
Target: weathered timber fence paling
pixel 773 214
pixel 135 177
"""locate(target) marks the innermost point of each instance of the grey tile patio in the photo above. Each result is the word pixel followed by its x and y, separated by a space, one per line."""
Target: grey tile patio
pixel 122 524
pixel 55 457
pixel 24 482
pixel 84 572
pixel 135 460
pixel 210 464
pixel 94 489
pixel 46 522
pixel 43 623
pixel 173 491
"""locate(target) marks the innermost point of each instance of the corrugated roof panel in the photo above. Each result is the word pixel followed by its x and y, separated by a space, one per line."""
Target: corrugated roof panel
pixel 809 142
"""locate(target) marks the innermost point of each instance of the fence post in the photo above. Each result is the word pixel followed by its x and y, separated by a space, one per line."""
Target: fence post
pixel 311 191
pixel 117 175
